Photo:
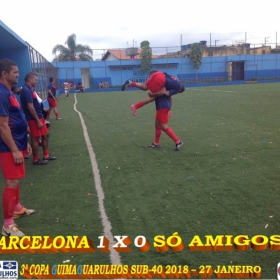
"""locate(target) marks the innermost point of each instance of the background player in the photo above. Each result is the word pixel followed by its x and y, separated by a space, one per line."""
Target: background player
pixel 66 88
pixel 52 99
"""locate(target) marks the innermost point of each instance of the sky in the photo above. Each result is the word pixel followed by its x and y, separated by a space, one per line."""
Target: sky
pixel 112 24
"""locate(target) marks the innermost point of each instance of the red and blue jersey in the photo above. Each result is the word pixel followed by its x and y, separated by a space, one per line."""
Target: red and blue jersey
pixel 28 95
pixel 163 102
pixel 172 85
pixel 51 87
pixel 10 107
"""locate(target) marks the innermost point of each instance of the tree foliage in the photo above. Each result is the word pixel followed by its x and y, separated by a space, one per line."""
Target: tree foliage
pixel 72 51
pixel 195 56
pixel 146 55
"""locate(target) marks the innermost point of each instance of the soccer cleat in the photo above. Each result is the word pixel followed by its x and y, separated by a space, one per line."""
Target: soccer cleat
pixel 48 124
pixel 178 146
pixel 153 146
pixel 127 82
pixel 49 158
pixel 59 118
pixel 23 212
pixel 40 162
pixel 133 109
pixel 12 230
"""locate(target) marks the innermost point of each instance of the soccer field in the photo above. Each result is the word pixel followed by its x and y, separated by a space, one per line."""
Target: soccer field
pixel 223 181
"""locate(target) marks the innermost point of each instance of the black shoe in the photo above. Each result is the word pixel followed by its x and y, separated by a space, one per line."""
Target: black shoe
pixel 40 162
pixel 178 146
pixel 48 124
pixel 49 158
pixel 125 84
pixel 153 146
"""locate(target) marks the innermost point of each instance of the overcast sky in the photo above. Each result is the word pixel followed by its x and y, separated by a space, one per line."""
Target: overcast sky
pixel 126 23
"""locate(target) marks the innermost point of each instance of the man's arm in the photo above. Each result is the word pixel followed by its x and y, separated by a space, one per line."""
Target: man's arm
pixel 141 86
pixel 162 92
pixel 50 92
pixel 8 139
pixel 34 114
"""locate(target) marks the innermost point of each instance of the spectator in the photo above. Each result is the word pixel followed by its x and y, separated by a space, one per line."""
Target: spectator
pixel 101 85
pixel 72 85
pixel 80 87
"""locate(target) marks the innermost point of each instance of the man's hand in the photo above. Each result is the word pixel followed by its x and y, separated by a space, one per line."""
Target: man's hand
pixel 28 150
pixel 39 124
pixel 18 158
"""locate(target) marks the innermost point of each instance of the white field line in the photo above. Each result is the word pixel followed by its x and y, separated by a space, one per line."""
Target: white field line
pixel 114 255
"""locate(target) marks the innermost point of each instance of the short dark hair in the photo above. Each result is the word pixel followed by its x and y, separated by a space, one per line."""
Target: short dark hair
pixel 152 72
pixel 15 89
pixel 6 65
pixel 29 75
pixel 182 89
pixel 51 79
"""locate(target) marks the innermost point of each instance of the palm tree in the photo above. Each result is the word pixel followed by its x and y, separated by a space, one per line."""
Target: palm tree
pixel 72 52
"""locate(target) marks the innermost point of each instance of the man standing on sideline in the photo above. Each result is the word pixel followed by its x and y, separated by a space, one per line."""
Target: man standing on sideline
pixel 34 116
pixel 52 99
pixel 66 88
pixel 13 148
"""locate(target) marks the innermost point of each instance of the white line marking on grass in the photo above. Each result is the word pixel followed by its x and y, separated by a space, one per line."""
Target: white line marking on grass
pixel 114 255
pixel 213 90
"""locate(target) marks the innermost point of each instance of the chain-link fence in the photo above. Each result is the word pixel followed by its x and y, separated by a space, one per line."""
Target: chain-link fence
pixel 44 70
pixel 225 57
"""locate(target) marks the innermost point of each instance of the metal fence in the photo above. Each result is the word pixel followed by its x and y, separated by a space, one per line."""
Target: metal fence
pixel 228 57
pixel 44 70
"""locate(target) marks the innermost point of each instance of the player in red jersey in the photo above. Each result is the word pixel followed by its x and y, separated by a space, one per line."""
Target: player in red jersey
pixel 13 148
pixel 161 87
pixel 158 84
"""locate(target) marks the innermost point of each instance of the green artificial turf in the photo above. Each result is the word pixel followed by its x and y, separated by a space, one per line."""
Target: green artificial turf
pixel 223 181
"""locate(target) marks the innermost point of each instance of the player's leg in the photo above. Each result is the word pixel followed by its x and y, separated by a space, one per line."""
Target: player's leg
pixel 163 122
pixel 45 145
pixel 129 83
pixel 10 198
pixel 140 104
pixel 155 144
pixel 35 134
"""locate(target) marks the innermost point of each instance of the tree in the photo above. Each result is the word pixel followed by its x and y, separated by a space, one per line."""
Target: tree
pixel 72 52
pixel 195 56
pixel 146 55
